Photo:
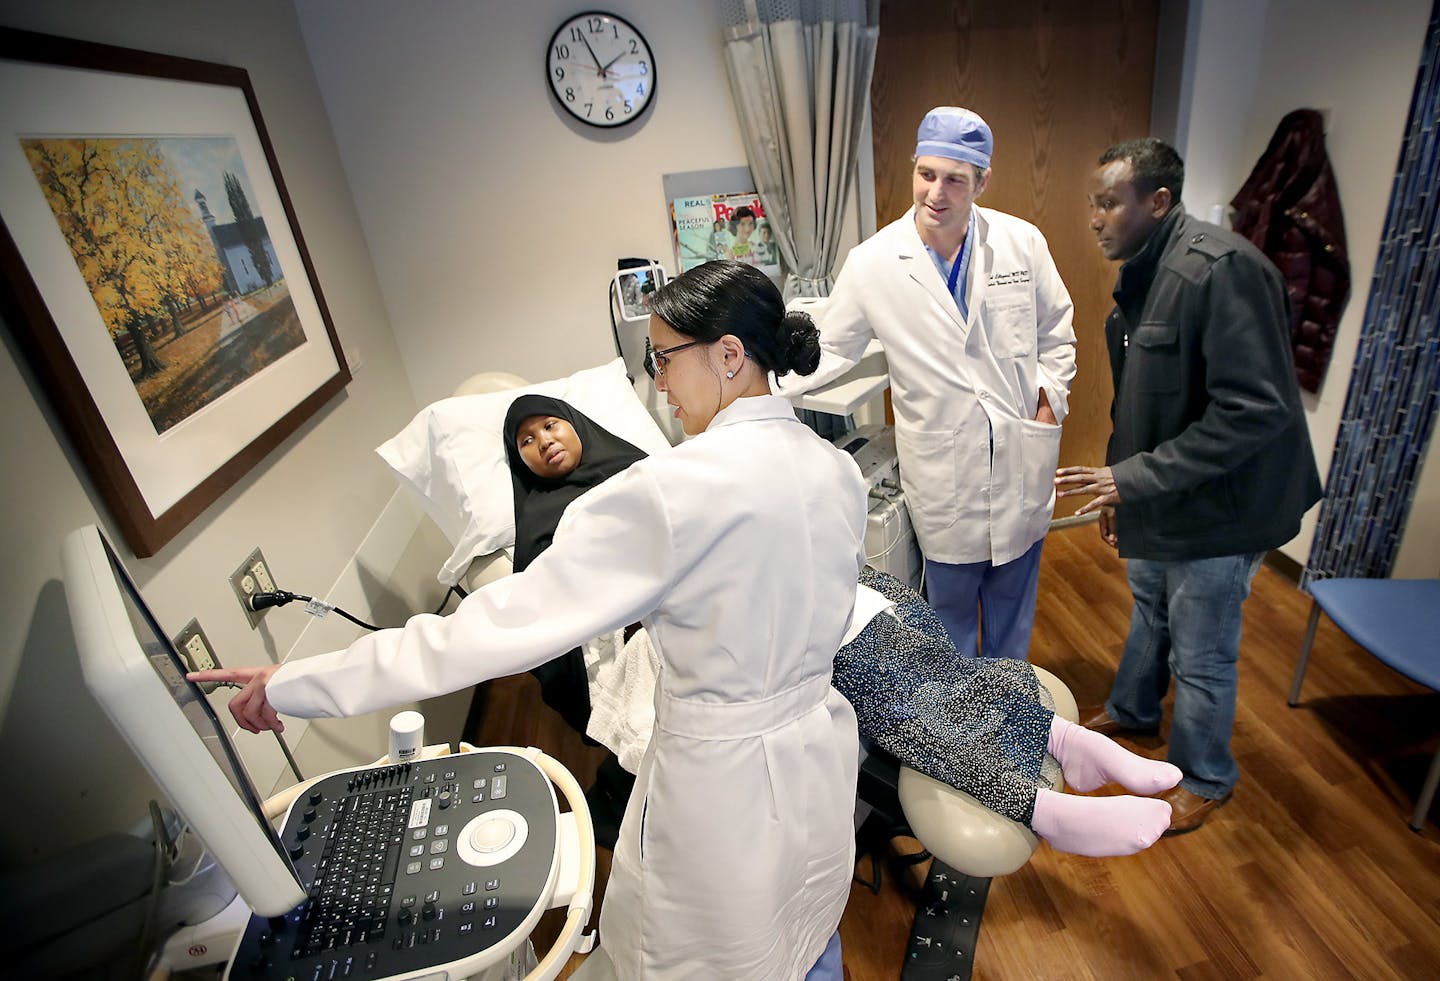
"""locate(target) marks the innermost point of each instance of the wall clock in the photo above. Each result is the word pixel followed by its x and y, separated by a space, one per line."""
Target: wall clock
pixel 601 69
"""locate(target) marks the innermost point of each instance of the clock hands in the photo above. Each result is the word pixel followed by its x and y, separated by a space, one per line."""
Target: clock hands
pixel 611 62
pixel 598 69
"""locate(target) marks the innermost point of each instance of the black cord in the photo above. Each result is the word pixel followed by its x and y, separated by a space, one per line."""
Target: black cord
pixel 356 620
pixel 455 590
pixel 280 597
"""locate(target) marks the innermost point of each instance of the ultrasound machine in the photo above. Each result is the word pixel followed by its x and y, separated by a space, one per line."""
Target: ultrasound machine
pixel 890 544
pixel 434 869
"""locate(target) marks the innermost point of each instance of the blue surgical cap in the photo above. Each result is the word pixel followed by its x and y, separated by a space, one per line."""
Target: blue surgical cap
pixel 956 134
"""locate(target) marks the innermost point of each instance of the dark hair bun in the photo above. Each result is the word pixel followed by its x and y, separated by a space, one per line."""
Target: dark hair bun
pixel 799 344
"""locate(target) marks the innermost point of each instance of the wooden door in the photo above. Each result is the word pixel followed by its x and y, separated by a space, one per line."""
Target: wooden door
pixel 1058 83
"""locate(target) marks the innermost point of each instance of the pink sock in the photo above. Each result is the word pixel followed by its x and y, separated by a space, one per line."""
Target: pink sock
pixel 1099 826
pixel 1091 760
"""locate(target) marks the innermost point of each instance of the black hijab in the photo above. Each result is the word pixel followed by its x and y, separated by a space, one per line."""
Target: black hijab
pixel 539 502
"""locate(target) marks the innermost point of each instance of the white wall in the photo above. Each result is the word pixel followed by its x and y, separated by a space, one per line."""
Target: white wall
pixel 311 504
pixel 1221 70
pixel 1248 63
pixel 495 220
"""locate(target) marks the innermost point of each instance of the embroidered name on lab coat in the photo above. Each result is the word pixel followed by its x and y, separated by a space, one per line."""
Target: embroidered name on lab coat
pixel 1010 278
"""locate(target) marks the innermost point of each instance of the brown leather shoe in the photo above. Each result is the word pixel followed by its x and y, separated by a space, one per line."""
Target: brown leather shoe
pixel 1095 717
pixel 1188 811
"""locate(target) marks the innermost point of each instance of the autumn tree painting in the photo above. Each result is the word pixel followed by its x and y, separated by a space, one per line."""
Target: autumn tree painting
pixel 194 301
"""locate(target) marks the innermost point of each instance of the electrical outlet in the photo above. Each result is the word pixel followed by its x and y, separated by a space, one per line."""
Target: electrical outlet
pixel 195 650
pixel 262 576
pixel 252 577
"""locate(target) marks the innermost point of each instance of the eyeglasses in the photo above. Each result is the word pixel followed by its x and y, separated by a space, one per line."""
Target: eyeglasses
pixel 655 361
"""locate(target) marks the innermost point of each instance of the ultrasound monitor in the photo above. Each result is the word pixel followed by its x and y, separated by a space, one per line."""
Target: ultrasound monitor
pixel 438 867
pixel 133 670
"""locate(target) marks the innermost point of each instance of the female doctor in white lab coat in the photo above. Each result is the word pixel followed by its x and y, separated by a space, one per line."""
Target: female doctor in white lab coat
pixel 739 552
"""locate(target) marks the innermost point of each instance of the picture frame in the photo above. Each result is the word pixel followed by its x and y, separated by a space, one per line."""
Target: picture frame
pixel 153 270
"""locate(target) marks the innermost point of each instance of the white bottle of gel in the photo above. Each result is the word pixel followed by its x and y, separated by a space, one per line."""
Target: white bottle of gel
pixel 407 737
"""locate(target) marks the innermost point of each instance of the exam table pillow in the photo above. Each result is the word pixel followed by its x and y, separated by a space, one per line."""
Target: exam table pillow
pixel 961 832
pixel 497 564
pixel 452 455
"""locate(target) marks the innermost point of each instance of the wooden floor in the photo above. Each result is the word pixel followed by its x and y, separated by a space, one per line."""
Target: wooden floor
pixel 1310 872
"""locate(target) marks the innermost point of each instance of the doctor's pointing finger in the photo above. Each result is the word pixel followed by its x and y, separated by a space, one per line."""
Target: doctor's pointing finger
pixel 251 709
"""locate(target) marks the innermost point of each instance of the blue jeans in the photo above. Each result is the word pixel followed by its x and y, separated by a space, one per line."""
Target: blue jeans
pixel 1186 624
pixel 998 598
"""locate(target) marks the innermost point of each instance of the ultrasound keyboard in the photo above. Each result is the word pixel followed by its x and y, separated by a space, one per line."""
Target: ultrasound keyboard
pixel 410 867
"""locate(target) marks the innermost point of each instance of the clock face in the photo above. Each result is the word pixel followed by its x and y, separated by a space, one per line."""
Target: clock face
pixel 601 69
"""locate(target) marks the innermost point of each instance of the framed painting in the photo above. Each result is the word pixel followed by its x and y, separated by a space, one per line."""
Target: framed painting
pixel 155 273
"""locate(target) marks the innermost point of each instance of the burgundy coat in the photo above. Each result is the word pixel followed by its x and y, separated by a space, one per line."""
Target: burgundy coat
pixel 1290 209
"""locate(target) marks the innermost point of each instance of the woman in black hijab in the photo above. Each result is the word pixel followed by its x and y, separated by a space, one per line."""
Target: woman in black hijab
pixel 542 497
pixel 556 453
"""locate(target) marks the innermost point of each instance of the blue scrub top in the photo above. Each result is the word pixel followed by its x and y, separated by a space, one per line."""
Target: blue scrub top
pixel 958 275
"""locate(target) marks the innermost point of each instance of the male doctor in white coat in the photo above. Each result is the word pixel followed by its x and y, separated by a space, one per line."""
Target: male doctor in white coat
pixel 976 328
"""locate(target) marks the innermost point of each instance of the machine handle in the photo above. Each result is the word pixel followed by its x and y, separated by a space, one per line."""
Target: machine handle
pixel 583 900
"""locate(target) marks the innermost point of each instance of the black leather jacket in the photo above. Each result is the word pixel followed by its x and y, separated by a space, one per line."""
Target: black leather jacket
pixel 1210 449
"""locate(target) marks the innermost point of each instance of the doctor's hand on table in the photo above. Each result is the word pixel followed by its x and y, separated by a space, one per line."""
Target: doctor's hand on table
pixel 250 708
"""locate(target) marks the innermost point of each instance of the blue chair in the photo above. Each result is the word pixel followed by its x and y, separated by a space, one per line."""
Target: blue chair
pixel 1397 621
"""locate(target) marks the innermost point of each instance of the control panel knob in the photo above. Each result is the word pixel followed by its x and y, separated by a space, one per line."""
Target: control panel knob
pixel 296 850
pixel 315 797
pixel 444 799
pixel 428 911
pixel 404 917
pixel 308 816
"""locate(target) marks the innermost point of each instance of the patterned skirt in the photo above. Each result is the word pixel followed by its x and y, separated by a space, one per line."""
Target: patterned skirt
pixel 980 725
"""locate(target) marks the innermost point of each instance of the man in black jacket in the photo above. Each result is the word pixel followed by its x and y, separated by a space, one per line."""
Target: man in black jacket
pixel 1209 464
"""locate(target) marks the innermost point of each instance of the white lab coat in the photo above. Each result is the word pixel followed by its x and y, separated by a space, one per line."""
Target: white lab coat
pixel 962 387
pixel 738 550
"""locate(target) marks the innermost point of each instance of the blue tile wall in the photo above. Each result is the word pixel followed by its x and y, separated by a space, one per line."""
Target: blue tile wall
pixel 1394 393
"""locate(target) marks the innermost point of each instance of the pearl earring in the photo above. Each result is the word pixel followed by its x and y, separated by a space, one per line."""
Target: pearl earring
pixel 729 374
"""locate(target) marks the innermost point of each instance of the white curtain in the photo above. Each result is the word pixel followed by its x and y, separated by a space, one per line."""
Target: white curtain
pixel 800 73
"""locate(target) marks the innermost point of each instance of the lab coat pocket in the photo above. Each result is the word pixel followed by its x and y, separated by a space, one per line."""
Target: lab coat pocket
pixel 1012 325
pixel 1154 357
pixel 933 466
pixel 1039 455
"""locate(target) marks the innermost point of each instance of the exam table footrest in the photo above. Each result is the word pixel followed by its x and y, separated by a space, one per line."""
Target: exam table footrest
pixel 947 926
